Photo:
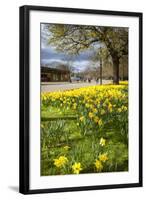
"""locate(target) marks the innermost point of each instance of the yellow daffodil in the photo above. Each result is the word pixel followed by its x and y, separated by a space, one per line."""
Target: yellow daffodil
pixel 81 118
pixel 91 115
pixel 119 110
pixel 66 147
pixel 98 165
pixel 94 110
pixel 76 167
pixel 44 97
pixel 100 122
pixel 110 107
pixel 102 142
pixel 124 108
pixel 61 161
pixel 103 157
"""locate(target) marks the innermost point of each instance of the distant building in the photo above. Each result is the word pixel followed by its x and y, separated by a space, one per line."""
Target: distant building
pixel 54 74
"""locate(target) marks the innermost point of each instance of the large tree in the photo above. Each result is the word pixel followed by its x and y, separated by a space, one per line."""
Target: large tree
pixel 74 39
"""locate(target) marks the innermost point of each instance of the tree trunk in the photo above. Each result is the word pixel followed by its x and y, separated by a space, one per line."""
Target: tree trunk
pixel 115 70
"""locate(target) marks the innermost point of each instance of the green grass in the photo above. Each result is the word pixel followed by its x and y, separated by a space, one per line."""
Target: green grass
pixel 61 128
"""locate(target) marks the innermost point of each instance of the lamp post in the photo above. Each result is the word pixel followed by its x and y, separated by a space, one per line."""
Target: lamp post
pixel 100 68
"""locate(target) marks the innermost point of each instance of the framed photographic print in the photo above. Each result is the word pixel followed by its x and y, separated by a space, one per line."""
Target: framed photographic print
pixel 80 99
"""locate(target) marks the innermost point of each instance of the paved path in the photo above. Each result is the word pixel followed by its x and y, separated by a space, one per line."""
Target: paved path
pixel 50 87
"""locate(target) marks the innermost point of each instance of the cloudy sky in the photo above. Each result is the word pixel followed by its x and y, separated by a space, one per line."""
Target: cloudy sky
pixel 49 55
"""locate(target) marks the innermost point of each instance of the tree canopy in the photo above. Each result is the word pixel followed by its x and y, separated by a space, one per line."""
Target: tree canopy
pixel 73 39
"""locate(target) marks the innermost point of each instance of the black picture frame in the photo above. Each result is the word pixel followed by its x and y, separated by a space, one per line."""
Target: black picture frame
pixel 24 148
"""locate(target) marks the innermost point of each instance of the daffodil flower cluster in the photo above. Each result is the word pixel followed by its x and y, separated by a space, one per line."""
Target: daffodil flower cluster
pixel 96 105
pixel 76 167
pixel 63 160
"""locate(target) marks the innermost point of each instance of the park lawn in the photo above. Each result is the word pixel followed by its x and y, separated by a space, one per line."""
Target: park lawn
pixel 71 141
